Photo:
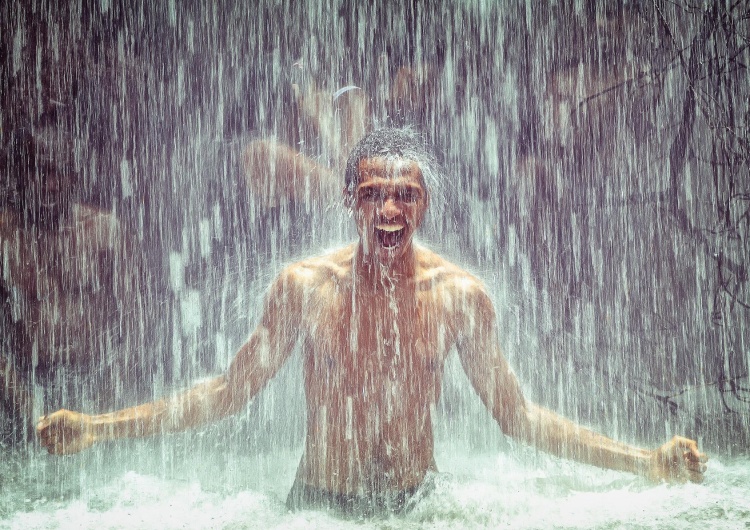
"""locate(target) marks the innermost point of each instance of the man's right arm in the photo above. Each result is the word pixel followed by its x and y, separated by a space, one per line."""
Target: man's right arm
pixel 255 364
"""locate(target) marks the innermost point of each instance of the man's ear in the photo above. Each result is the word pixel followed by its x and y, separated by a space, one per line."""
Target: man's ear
pixel 348 198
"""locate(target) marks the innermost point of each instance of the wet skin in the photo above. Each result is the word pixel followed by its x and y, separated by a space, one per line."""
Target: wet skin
pixel 376 320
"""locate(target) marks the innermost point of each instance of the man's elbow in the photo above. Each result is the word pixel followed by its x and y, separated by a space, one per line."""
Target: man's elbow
pixel 233 395
pixel 516 423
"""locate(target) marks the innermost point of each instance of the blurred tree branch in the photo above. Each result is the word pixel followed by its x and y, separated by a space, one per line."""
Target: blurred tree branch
pixel 711 66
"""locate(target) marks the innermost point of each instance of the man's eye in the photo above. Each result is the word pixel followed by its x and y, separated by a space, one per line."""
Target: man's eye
pixel 369 195
pixel 407 196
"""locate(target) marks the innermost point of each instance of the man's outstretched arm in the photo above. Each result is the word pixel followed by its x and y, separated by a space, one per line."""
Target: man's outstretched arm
pixel 678 460
pixel 255 364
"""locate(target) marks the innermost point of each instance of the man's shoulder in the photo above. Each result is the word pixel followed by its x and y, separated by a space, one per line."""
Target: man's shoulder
pixel 334 265
pixel 457 287
pixel 437 269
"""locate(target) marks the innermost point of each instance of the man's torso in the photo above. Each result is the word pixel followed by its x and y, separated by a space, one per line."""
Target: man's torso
pixel 374 357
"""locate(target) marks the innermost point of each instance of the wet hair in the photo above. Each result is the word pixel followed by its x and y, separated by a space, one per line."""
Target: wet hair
pixel 403 143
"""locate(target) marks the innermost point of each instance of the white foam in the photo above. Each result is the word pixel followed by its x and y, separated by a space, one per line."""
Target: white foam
pixel 519 490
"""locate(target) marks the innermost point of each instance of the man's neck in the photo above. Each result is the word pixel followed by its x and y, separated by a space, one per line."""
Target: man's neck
pixel 373 272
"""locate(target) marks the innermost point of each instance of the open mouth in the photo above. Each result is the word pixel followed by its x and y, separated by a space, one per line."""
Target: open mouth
pixel 390 235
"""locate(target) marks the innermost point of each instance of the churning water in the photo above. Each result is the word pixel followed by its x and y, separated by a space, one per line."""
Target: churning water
pixel 172 485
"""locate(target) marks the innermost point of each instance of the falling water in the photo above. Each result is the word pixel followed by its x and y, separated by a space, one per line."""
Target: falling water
pixel 596 179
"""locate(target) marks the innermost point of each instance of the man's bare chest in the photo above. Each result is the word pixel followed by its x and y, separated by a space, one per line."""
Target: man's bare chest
pixel 375 342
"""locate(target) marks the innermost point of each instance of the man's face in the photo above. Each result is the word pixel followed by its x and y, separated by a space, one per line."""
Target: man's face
pixel 389 202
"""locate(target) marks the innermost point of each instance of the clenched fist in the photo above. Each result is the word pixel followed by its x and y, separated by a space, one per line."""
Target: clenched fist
pixel 678 460
pixel 65 432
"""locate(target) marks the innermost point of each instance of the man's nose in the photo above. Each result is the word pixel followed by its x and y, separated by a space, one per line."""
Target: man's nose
pixel 390 208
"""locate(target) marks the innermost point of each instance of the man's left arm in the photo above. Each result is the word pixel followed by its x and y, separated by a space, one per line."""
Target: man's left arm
pixel 679 460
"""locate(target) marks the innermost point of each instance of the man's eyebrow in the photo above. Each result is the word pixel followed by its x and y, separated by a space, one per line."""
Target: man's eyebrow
pixel 412 185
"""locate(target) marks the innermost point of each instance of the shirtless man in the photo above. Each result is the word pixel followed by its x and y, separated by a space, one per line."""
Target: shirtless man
pixel 376 320
pixel 67 303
